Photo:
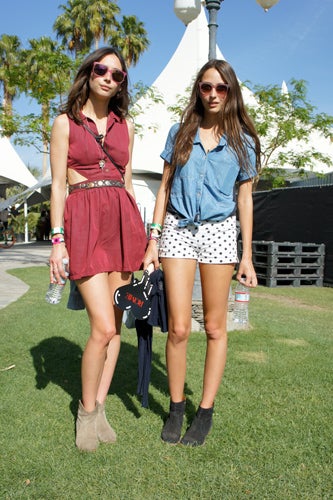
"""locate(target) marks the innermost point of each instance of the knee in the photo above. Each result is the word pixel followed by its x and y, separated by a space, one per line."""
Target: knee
pixel 215 330
pixel 109 333
pixel 104 334
pixel 178 334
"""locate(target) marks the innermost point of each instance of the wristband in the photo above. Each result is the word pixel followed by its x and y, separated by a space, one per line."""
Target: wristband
pixel 56 241
pixel 156 235
pixel 156 226
pixel 152 237
pixel 57 230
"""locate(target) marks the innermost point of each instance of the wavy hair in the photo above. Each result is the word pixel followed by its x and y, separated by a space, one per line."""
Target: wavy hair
pixel 233 121
pixel 80 89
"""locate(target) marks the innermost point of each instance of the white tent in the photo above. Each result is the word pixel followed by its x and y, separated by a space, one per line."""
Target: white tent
pixel 12 169
pixel 156 120
pixel 190 55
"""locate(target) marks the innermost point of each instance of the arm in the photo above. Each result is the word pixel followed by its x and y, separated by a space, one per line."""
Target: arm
pixel 151 255
pixel 245 210
pixel 58 158
pixel 128 172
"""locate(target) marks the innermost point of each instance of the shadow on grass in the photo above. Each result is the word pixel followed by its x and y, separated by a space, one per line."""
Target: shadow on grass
pixel 58 361
pixel 125 380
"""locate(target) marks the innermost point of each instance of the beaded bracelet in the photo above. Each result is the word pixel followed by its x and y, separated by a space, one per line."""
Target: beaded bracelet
pixel 152 237
pixel 56 241
pixel 155 235
pixel 156 226
pixel 57 230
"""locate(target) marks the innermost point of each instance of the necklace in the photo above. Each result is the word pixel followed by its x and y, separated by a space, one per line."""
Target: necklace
pixel 99 139
pixel 209 139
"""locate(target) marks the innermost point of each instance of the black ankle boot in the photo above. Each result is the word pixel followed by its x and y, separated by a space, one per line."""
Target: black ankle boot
pixel 173 426
pixel 201 425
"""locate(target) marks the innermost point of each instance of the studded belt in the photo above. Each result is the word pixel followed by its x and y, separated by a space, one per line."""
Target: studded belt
pixel 96 184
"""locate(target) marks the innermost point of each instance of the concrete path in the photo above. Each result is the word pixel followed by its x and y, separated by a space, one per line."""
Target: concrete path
pixel 20 255
pixel 37 254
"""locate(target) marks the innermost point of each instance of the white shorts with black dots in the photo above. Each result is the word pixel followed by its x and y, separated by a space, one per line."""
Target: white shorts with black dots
pixel 208 243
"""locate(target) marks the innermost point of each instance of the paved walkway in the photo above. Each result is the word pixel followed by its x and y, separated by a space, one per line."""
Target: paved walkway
pixel 37 254
pixel 20 255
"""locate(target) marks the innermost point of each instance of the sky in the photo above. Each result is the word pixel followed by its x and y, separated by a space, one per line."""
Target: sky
pixel 292 40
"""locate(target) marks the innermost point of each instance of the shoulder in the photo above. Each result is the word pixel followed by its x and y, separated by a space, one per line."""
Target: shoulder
pixel 173 132
pixel 130 126
pixel 249 142
pixel 61 126
pixel 174 129
pixel 61 122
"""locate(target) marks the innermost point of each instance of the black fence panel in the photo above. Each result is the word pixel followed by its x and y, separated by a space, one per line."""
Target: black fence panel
pixel 302 214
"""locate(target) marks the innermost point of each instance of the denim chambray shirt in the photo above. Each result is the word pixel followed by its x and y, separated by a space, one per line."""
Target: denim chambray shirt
pixel 204 188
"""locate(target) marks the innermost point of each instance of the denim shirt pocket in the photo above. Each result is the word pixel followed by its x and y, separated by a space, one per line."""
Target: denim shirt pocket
pixel 222 177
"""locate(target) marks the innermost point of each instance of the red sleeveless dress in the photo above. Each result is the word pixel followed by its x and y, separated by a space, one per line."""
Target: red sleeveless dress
pixel 104 230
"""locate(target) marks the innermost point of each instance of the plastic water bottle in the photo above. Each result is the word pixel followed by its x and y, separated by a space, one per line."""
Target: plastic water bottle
pixel 55 290
pixel 241 304
pixel 231 300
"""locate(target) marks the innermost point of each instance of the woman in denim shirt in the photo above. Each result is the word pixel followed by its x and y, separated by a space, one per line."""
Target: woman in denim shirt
pixel 213 150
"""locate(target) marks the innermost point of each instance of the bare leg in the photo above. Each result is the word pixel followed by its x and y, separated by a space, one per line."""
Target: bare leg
pixel 215 280
pixel 101 352
pixel 114 345
pixel 215 283
pixel 179 279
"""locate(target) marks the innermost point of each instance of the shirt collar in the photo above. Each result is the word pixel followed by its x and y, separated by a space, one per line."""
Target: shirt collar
pixel 112 117
pixel 223 140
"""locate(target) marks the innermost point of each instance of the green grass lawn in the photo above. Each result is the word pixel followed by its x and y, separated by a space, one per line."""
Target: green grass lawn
pixel 272 432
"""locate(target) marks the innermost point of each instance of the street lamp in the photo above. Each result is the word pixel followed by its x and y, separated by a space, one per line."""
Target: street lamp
pixel 213 6
pixel 267 4
pixel 188 10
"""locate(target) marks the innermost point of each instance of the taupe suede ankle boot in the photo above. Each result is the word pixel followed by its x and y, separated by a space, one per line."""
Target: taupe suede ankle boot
pixel 105 433
pixel 86 432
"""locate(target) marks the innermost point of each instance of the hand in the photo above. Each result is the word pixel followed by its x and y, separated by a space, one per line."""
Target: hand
pixel 58 272
pixel 246 273
pixel 151 256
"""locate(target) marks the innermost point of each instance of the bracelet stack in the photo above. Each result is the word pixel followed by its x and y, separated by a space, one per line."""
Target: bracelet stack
pixel 56 241
pixel 155 232
pixel 57 230
pixel 153 237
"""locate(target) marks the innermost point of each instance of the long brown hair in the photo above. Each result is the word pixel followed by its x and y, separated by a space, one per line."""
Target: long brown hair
pixel 233 121
pixel 80 89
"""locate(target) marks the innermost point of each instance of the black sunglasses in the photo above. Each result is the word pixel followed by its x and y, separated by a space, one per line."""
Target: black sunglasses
pixel 207 87
pixel 117 75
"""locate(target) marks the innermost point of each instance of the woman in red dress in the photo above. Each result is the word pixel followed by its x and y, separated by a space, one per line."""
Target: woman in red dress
pixel 97 226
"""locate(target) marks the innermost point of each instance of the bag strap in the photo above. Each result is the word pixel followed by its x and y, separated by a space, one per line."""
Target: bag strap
pixel 98 139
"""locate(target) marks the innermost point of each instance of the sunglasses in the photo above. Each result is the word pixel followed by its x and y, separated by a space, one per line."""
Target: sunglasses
pixel 117 75
pixel 221 88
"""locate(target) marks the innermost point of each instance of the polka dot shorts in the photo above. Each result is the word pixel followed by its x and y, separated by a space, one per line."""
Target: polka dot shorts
pixel 208 243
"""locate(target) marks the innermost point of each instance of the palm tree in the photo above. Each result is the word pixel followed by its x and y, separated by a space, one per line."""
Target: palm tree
pixel 10 58
pixel 49 72
pixel 131 39
pixel 84 22
pixel 72 26
pixel 102 20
